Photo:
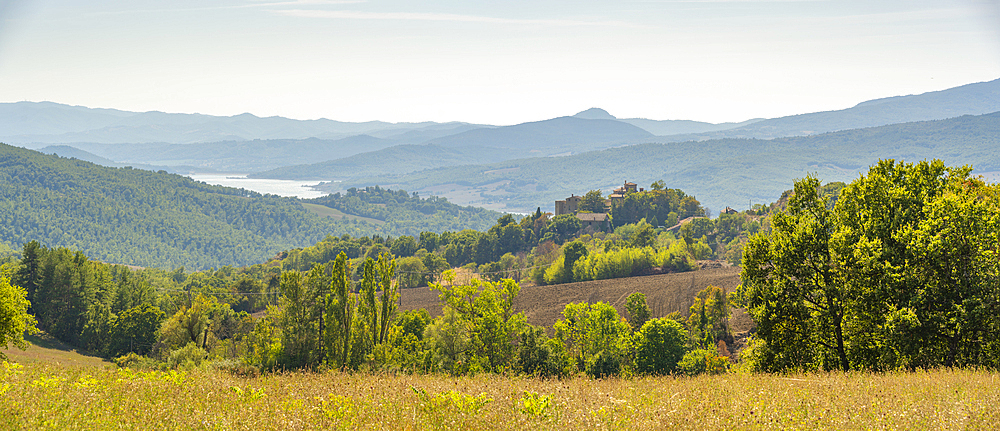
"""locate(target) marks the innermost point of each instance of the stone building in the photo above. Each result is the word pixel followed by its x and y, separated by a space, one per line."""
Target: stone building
pixel 598 221
pixel 568 206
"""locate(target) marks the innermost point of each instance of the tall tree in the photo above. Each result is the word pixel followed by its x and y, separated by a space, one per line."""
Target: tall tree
pixel 593 202
pixel 14 317
pixel 792 290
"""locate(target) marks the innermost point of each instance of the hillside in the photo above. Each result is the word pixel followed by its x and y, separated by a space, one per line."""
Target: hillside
pixel 399 159
pixel 236 156
pixel 396 212
pixel 146 218
pixel 557 132
pixel 662 127
pixel 558 136
pixel 725 172
pixel 51 123
pixel 972 99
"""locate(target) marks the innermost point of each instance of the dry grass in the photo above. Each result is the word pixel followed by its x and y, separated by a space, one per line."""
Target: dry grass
pixel 49 350
pixel 49 396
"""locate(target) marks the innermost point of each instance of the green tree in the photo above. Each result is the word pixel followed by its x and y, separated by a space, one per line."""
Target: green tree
pixel 488 310
pixel 14 317
pixel 592 202
pixel 659 345
pixel 29 274
pixel 572 252
pixel 792 289
pixel 955 269
pixel 135 330
pixel 637 309
pixel 588 330
pixel 709 319
pixel 339 315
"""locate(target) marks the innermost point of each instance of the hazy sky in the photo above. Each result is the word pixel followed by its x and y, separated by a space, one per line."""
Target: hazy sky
pixel 498 62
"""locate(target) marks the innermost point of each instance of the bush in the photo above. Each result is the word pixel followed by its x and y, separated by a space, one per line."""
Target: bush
pixel 659 346
pixel 539 356
pixel 135 361
pixel 604 364
pixel 703 361
pixel 189 356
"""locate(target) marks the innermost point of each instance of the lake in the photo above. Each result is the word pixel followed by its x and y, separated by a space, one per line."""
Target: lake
pixel 301 189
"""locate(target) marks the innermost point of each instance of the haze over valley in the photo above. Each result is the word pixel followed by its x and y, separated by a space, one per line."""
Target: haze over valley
pixel 523 166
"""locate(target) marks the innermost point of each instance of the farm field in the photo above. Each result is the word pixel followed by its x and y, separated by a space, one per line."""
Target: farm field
pixel 43 395
pixel 543 305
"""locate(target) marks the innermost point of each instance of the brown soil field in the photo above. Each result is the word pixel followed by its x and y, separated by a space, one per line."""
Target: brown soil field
pixel 543 305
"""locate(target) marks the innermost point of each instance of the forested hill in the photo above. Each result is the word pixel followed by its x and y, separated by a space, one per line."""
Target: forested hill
pixel 145 218
pixel 406 214
pixel 724 172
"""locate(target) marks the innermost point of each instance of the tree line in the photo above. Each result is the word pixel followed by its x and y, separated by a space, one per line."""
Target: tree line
pixel 322 319
pixel 901 272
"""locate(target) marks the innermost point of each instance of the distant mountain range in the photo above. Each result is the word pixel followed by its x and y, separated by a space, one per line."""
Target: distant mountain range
pixel 972 99
pixel 384 153
pixel 720 173
pixel 35 123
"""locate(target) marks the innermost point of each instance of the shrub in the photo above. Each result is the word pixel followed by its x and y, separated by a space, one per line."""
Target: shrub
pixel 659 346
pixel 189 356
pixel 604 364
pixel 135 361
pixel 703 361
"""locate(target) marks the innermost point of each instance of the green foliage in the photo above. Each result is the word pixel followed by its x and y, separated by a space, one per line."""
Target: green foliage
pixel 138 362
pixel 588 330
pixel 637 310
pixel 540 356
pixel 147 218
pixel 14 317
pixel 448 338
pixel 592 202
pixel 901 273
pixel 134 331
pixel 187 357
pixel 659 345
pixel 703 361
pixel 534 405
pixel 658 203
pixel 708 321
pixel 407 214
pixel 604 364
pixel 451 409
pixel 487 310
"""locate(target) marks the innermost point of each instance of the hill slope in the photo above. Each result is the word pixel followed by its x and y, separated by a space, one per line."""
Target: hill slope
pixel 145 218
pixel 719 172
pixel 52 123
pixel 557 132
pixel 971 99
pixel 399 159
pixel 236 156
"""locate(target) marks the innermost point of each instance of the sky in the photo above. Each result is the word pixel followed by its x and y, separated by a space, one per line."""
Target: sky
pixel 491 62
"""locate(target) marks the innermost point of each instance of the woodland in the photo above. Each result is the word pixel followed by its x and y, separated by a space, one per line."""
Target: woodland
pixel 829 282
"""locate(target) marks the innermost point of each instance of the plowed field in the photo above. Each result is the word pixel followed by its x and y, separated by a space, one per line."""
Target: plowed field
pixel 543 305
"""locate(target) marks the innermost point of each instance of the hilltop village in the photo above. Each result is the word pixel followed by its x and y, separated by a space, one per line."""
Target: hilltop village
pixel 596 212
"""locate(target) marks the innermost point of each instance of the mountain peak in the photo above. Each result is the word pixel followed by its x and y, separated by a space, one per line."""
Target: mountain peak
pixel 595 114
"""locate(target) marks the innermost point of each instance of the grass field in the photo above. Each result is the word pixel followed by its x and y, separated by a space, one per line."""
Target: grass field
pixel 39 395
pixel 46 349
pixel 50 386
